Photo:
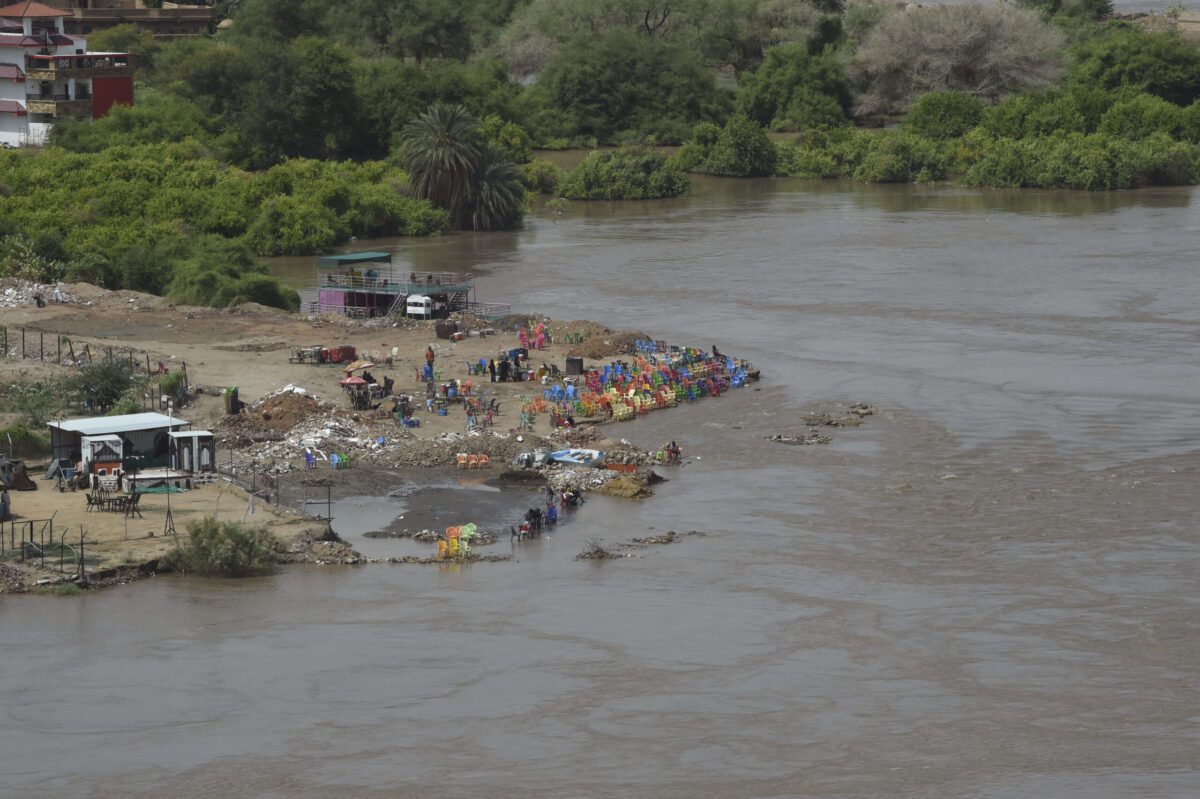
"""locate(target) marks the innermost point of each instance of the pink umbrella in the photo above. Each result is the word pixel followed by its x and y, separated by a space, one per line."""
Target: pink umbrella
pixel 352 381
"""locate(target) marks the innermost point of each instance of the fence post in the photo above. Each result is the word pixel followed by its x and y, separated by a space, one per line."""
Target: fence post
pixel 22 343
pixel 41 346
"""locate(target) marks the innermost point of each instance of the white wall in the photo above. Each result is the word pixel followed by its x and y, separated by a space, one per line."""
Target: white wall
pixel 12 129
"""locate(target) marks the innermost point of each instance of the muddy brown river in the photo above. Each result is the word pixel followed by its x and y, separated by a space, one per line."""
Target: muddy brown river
pixel 988 590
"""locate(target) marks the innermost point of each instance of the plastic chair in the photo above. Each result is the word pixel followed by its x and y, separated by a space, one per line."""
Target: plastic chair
pixel 473 461
pixel 484 461
pixel 462 461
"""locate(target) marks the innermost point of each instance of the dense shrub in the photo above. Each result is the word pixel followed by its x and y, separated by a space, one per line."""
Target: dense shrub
pixel 21 441
pixel 1125 57
pixel 1094 162
pixel 1141 116
pixel 136 217
pixel 900 157
pixel 740 149
pixel 795 90
pixel 630 173
pixel 541 177
pixel 622 82
pixel 943 115
pixel 224 549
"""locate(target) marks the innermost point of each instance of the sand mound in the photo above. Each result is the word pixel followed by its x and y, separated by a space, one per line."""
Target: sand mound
pixel 602 346
pixel 627 486
pixel 283 412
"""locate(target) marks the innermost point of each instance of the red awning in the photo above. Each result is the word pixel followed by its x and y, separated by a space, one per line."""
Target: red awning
pixel 12 107
pixel 11 72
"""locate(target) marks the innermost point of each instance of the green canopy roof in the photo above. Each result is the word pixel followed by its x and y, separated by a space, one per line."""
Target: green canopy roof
pixel 354 258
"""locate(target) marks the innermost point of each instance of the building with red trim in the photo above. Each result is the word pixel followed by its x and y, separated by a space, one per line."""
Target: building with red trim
pixel 46 74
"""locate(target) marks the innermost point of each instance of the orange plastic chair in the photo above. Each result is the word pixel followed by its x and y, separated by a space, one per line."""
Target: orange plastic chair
pixel 484 461
pixel 451 533
pixel 473 461
pixel 462 461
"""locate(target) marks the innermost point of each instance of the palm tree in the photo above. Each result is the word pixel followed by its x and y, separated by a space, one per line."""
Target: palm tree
pixel 441 151
pixel 497 196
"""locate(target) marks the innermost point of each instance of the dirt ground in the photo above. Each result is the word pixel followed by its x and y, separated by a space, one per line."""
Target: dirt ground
pixel 112 539
pixel 248 347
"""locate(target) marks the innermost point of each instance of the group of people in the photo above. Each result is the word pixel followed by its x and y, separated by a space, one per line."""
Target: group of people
pixel 504 370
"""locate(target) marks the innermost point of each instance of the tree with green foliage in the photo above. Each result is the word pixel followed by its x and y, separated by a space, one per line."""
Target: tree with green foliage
pixel 127 38
pixel 988 51
pixel 796 90
pixel 451 165
pixel 102 383
pixel 740 149
pixel 1125 57
pixel 157 117
pixel 943 115
pixel 495 197
pixel 440 149
pixel 619 85
pixel 629 173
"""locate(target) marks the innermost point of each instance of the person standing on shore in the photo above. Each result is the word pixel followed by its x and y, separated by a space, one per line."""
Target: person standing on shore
pixel 429 356
pixel 492 369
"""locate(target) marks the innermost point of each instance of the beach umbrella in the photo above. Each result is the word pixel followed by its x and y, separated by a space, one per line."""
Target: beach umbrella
pixel 352 381
pixel 354 367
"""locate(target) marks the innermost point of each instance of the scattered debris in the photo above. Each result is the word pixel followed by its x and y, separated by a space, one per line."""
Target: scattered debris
pixel 800 440
pixel 594 549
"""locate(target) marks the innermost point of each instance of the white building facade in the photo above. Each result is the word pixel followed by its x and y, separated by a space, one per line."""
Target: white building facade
pixel 46 74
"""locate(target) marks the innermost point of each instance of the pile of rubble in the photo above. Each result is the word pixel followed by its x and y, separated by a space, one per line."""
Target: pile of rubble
pixel 12 580
pixel 852 419
pixel 15 292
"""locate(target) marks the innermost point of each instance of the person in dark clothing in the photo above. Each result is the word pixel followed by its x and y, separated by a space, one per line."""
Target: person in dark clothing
pixel 492 369
pixel 505 367
pixel 716 353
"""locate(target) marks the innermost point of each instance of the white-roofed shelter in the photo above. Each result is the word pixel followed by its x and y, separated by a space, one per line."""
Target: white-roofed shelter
pixel 144 438
pixel 193 451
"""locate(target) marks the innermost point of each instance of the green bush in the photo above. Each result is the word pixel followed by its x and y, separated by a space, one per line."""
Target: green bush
pixel 224 549
pixel 20 441
pixel 943 115
pixel 1141 116
pixel 541 176
pixel 1126 57
pixel 1094 162
pixel 630 173
pixel 141 217
pixel 900 157
pixel 740 149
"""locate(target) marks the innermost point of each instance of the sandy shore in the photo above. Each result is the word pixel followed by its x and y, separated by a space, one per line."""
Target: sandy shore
pixel 249 347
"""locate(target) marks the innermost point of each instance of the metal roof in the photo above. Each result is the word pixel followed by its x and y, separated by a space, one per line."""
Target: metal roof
pixel 33 9
pixel 128 423
pixel 188 433
pixel 355 258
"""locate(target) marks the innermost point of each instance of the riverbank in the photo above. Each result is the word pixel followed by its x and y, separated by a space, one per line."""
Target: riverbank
pixel 299 422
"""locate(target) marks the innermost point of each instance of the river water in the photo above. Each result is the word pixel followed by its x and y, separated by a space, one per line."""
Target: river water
pixel 987 590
